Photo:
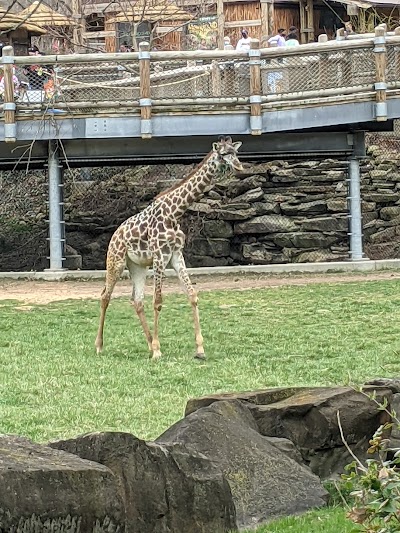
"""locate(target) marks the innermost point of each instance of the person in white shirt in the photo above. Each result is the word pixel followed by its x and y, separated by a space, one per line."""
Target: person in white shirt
pixel 244 42
pixel 278 39
pixel 292 40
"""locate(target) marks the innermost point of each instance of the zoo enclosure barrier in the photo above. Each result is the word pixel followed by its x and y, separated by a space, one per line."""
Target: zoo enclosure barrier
pixel 148 83
pixel 380 191
pixel 282 212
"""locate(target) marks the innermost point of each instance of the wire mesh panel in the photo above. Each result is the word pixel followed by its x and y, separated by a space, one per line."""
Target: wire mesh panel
pixel 381 196
pixel 114 84
pixel 80 86
pixel 393 63
pixel 199 79
pixel 100 82
pixel 23 226
pixel 318 71
pixel 278 212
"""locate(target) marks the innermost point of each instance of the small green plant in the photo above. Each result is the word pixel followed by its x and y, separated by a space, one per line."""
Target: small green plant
pixel 374 488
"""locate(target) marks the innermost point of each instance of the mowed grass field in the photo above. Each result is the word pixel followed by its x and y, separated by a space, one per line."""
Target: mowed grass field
pixel 53 385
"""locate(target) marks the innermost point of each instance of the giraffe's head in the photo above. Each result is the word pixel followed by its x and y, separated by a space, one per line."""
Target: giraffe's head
pixel 226 153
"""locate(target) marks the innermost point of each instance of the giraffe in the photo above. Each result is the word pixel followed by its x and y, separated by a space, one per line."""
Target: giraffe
pixel 153 237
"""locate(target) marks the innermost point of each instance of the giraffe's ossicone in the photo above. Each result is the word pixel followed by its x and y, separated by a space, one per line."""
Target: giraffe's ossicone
pixel 154 238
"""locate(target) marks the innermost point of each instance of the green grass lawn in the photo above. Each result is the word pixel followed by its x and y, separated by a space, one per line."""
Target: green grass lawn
pixel 330 520
pixel 54 386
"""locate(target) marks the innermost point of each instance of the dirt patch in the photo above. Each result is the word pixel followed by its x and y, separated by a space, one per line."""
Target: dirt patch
pixel 43 292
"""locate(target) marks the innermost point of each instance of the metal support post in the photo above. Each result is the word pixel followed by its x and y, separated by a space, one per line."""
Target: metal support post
pixel 354 198
pixel 56 219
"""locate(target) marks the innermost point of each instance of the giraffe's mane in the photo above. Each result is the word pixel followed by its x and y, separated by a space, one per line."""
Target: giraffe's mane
pixel 184 180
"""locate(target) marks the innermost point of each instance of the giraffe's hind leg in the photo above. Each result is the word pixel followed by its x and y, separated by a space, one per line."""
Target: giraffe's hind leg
pixel 114 271
pixel 138 277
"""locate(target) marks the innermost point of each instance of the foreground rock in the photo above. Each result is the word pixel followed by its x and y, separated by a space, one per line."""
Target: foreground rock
pixel 265 482
pixel 308 418
pixel 42 489
pixel 164 490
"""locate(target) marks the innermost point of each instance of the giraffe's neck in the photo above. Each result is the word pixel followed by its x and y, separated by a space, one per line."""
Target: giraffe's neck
pixel 192 188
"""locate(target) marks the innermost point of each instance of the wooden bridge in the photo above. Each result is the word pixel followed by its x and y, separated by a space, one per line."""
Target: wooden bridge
pixel 336 84
pixel 315 99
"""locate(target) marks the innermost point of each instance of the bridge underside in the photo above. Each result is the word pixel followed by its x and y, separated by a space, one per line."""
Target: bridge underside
pixel 318 131
pixel 84 152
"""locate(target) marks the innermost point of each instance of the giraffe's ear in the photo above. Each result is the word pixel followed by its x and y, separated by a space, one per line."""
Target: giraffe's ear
pixel 215 147
pixel 237 145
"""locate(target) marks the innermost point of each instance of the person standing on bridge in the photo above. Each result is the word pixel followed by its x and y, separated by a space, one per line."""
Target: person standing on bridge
pixel 292 40
pixel 37 75
pixel 278 39
pixel 244 42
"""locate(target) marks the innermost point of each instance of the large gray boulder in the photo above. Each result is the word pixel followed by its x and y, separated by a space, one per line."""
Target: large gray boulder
pixel 308 418
pixel 250 196
pixel 164 490
pixel 42 489
pixel 234 213
pixel 265 482
pixel 387 213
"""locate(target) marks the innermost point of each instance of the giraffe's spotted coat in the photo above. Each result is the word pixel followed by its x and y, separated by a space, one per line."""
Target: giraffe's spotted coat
pixel 153 237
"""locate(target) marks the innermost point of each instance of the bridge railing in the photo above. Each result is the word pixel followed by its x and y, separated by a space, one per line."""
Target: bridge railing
pixel 148 83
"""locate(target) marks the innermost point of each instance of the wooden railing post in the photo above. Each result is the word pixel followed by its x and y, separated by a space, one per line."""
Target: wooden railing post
pixel 380 65
pixel 145 90
pixel 10 127
pixel 324 68
pixel 255 87
pixel 216 78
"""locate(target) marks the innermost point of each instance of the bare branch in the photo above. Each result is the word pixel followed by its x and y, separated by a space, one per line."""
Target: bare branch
pixel 360 465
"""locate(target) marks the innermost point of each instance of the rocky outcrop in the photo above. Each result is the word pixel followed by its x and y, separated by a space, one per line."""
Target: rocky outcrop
pixel 308 418
pixel 265 482
pixel 42 489
pixel 235 461
pixel 165 490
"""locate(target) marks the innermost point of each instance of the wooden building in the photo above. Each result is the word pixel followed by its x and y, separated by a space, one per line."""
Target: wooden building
pixel 262 18
pixel 59 27
pixel 18 32
pixel 110 24
pixel 161 22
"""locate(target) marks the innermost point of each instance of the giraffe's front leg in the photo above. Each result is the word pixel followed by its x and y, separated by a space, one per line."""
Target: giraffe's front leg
pixel 178 264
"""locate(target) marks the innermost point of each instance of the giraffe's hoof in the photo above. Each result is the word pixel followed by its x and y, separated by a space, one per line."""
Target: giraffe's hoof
pixel 201 356
pixel 156 355
pixel 99 349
